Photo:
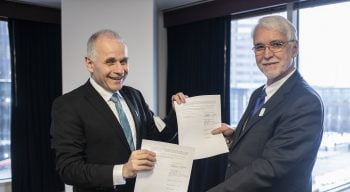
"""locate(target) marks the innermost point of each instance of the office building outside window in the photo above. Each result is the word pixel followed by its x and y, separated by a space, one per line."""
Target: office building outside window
pixel 5 103
pixel 324 63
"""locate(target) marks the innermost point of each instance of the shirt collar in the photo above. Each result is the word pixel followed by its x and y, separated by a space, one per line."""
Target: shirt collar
pixel 106 95
pixel 273 88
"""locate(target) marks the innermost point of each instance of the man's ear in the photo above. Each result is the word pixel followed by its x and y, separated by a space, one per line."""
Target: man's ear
pixel 295 48
pixel 89 64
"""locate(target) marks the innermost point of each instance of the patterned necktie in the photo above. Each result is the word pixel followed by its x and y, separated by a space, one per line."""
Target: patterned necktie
pixel 123 120
pixel 259 102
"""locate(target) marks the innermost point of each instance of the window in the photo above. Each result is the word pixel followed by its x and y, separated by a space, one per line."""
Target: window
pixel 5 103
pixel 323 62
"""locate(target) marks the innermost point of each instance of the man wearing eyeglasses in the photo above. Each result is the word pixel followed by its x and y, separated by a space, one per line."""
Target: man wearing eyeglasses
pixel 275 144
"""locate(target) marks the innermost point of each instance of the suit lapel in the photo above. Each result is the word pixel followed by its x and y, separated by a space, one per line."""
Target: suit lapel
pixel 102 109
pixel 272 103
pixel 269 106
pixel 245 118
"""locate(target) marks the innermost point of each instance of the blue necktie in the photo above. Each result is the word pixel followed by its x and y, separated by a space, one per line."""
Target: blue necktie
pixel 123 120
pixel 259 102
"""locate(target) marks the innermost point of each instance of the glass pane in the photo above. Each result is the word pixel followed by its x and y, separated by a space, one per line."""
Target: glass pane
pixel 5 103
pixel 245 75
pixel 324 63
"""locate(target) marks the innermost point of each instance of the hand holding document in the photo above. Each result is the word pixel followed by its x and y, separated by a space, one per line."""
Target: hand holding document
pixel 172 170
pixel 196 119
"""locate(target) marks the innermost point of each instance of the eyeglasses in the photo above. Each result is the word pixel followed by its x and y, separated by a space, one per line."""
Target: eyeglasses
pixel 274 46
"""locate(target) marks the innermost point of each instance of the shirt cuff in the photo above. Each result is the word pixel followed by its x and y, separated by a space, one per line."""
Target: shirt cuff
pixel 159 123
pixel 118 178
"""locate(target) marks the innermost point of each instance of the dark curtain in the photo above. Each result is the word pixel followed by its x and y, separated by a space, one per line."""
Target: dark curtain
pixel 198 64
pixel 36 81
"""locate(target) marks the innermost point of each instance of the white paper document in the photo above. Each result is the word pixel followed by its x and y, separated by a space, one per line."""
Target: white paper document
pixel 172 170
pixel 196 119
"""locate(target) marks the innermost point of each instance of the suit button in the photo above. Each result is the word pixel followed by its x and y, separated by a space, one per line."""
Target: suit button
pixel 228 165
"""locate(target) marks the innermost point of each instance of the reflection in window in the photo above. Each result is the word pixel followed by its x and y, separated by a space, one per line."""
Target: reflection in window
pixel 5 103
pixel 324 63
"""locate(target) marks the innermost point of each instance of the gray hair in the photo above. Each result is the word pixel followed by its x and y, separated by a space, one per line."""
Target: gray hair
pixel 278 23
pixel 91 51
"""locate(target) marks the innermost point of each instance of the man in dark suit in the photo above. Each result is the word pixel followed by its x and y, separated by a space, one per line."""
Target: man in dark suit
pixel 97 128
pixel 275 144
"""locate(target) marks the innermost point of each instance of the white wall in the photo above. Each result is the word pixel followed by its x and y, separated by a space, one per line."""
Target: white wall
pixel 134 20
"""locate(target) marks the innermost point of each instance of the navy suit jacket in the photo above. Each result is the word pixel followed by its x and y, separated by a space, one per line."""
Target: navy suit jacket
pixel 276 152
pixel 89 140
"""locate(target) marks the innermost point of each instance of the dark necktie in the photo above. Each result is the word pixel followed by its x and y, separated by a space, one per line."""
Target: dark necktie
pixel 123 120
pixel 259 102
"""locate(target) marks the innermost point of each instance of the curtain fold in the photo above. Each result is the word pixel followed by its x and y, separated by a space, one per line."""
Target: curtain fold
pixel 198 64
pixel 36 81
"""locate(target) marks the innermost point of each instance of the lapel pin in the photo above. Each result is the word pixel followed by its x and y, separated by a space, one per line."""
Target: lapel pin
pixel 262 111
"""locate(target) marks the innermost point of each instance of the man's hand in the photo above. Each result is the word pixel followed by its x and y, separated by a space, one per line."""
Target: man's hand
pixel 226 130
pixel 178 98
pixel 139 160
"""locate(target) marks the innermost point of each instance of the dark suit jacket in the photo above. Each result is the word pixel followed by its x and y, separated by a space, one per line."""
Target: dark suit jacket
pixel 89 140
pixel 276 152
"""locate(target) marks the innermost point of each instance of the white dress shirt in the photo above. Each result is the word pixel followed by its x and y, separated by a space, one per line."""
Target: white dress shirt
pixel 273 88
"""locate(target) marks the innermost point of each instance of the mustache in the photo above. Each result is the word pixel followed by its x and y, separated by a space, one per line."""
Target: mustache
pixel 268 63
